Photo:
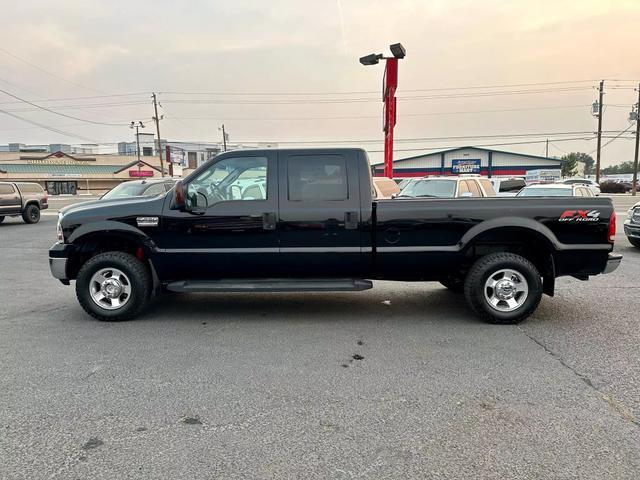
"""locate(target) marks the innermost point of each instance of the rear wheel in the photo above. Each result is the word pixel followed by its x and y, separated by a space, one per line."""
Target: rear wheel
pixel 634 241
pixel 113 286
pixel 31 214
pixel 503 288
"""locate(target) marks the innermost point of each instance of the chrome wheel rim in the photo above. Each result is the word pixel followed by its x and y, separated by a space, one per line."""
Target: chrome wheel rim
pixel 506 290
pixel 110 288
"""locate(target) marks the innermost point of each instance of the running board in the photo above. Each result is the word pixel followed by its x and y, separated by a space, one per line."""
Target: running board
pixel 271 285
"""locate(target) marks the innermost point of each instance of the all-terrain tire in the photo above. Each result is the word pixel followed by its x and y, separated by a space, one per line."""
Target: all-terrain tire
pixel 634 241
pixel 476 292
pixel 31 214
pixel 135 275
pixel 1 219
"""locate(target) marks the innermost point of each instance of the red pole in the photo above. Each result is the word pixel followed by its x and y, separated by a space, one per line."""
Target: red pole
pixel 390 85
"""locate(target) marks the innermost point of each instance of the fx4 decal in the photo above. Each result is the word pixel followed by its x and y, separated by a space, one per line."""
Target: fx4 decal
pixel 580 216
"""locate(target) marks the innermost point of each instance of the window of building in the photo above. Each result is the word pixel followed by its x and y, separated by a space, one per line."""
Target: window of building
pixel 317 178
pixel 147 151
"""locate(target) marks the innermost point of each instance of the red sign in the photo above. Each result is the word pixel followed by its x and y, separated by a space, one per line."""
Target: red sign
pixel 141 173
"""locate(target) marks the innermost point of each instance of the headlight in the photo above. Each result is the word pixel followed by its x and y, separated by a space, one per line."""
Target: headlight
pixel 59 229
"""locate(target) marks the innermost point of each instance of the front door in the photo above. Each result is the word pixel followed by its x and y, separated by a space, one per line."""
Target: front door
pixel 320 219
pixel 231 228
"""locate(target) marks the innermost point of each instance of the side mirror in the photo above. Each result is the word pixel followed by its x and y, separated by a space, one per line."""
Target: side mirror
pixel 178 200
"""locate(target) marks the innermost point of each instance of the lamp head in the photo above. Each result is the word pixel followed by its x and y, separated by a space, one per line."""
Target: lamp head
pixel 398 50
pixel 371 59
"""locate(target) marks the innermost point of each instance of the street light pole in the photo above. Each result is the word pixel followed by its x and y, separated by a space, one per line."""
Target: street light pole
pixel 137 126
pixel 600 98
pixel 390 85
pixel 634 182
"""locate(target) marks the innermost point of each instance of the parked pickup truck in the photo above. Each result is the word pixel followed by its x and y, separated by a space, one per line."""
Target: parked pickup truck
pixel 316 227
pixel 22 198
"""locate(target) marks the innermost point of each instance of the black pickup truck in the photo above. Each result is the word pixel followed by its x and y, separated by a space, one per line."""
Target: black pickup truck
pixel 307 220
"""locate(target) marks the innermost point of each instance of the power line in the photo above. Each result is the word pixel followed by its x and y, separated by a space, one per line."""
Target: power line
pixel 353 117
pixel 46 127
pixel 221 101
pixel 57 113
pixel 377 92
pixel 614 138
pixel 51 74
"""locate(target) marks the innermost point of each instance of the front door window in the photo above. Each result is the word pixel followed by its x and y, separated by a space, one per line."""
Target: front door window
pixel 231 179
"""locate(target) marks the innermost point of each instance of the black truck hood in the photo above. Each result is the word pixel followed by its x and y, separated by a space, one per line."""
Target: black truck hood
pixel 120 209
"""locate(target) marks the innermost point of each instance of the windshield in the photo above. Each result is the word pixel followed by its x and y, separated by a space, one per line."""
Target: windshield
pixel 124 190
pixel 430 188
pixel 546 192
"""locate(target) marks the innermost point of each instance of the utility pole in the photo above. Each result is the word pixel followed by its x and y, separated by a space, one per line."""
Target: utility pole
pixel 157 120
pixel 546 154
pixel 224 138
pixel 137 126
pixel 600 98
pixel 634 187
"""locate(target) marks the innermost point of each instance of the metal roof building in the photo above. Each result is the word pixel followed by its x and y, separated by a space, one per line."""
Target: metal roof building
pixel 478 160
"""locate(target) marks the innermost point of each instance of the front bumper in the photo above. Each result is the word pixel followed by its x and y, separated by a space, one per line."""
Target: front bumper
pixel 613 262
pixel 632 229
pixel 59 254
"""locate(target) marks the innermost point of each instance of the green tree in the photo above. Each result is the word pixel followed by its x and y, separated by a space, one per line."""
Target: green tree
pixel 569 165
pixel 575 157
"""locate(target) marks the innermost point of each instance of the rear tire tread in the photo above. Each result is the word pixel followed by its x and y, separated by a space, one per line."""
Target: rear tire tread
pixel 474 285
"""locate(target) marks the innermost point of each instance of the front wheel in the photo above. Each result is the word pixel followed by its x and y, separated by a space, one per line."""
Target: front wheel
pixel 113 286
pixel 503 288
pixel 634 241
pixel 31 214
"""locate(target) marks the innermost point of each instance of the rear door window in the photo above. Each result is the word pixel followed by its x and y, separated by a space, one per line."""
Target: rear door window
pixel 462 188
pixel 512 186
pixel 488 187
pixel 6 189
pixel 317 178
pixel 474 188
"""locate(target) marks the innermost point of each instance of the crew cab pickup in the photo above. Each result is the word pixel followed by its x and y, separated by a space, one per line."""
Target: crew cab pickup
pixel 307 220
pixel 22 198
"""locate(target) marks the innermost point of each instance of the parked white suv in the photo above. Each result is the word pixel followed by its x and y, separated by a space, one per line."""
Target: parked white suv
pixel 448 187
pixel 593 186
pixel 508 187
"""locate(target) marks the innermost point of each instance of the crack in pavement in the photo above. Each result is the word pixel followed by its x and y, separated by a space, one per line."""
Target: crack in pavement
pixel 614 404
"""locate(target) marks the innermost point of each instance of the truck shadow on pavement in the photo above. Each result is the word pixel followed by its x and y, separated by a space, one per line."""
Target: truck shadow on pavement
pixel 386 305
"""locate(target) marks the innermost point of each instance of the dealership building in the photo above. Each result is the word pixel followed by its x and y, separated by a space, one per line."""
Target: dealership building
pixel 63 169
pixel 461 160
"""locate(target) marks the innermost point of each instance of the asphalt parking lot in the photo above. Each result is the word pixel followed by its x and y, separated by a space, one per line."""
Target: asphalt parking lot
pixel 401 381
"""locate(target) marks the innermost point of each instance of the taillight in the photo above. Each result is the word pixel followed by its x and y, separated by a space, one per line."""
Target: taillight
pixel 612 227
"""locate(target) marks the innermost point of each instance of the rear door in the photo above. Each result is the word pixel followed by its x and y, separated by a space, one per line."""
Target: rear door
pixel 10 202
pixel 320 225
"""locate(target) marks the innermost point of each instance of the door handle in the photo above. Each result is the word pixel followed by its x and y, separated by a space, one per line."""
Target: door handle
pixel 350 220
pixel 269 221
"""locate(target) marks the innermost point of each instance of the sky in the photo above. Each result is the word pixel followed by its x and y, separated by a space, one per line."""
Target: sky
pixel 287 71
